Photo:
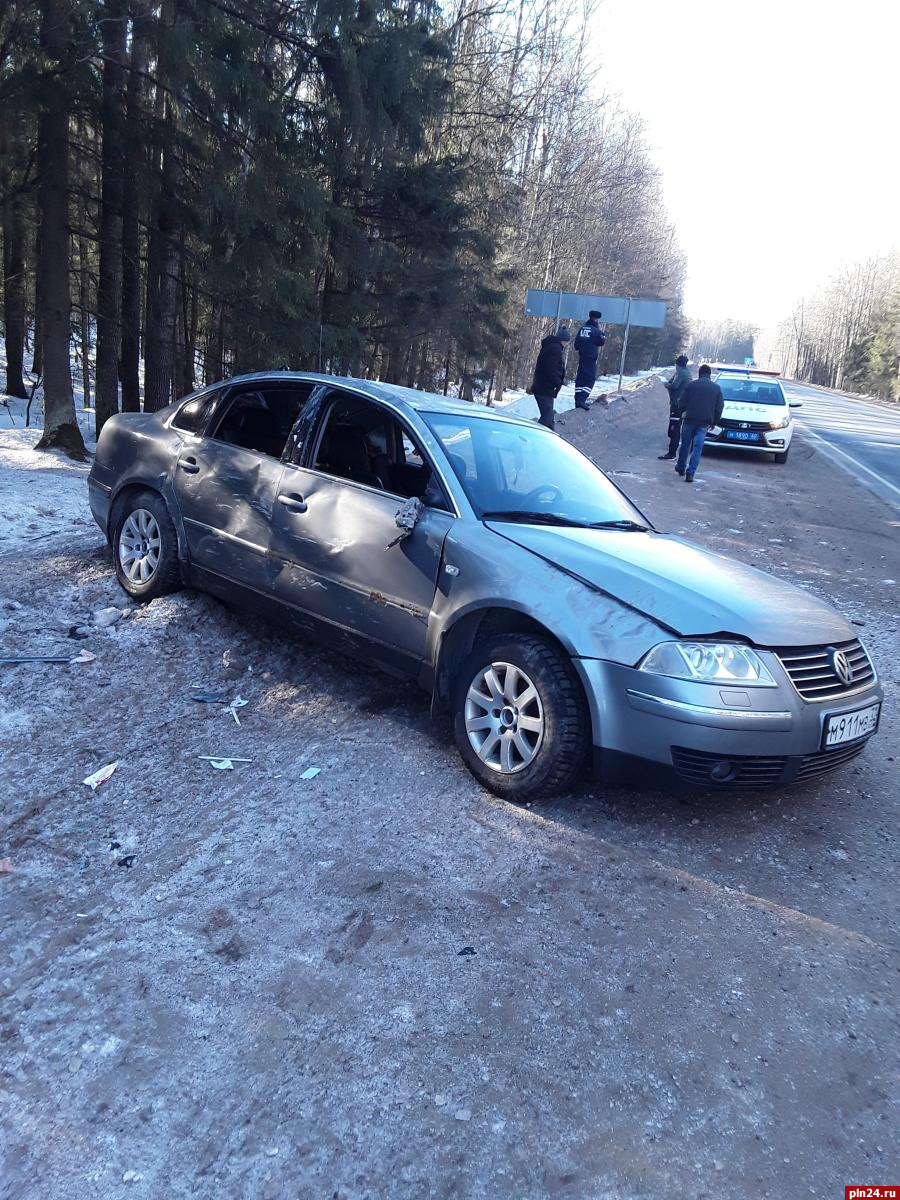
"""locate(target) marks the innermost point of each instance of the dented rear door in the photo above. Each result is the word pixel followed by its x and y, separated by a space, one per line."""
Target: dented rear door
pixel 226 495
pixel 331 540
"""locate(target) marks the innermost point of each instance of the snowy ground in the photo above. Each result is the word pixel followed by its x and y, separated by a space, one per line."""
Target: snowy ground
pixel 381 982
pixel 516 400
pixel 42 495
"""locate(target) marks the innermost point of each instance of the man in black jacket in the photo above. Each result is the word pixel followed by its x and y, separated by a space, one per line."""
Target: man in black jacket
pixel 701 408
pixel 549 371
pixel 588 341
pixel 675 387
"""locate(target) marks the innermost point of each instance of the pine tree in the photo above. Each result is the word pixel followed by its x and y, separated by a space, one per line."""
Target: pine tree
pixel 57 33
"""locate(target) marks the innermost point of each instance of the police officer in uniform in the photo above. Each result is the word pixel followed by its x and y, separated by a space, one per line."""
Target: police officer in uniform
pixel 588 341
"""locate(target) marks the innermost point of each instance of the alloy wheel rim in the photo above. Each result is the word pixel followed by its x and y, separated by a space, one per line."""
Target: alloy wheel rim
pixel 504 718
pixel 139 546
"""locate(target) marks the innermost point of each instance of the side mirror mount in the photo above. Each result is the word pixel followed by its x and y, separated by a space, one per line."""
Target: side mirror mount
pixel 406 518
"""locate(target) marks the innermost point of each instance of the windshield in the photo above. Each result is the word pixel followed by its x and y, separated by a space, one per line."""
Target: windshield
pixel 751 391
pixel 520 470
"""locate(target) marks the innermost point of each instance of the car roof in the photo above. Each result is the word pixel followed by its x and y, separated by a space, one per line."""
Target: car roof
pixel 402 398
pixel 760 372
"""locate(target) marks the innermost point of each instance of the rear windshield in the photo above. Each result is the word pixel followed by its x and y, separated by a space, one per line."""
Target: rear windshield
pixel 751 391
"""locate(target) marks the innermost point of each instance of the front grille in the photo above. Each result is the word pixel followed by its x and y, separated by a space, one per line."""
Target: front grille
pixel 728 423
pixel 694 767
pixel 814 765
pixel 811 671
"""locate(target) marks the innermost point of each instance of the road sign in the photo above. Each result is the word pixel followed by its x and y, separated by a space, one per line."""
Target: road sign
pixel 617 310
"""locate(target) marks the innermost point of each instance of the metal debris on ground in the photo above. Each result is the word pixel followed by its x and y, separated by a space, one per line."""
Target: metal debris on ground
pixel 126 861
pixel 209 698
pixel 466 952
pixel 37 658
pixel 100 776
pixel 310 772
pixel 84 656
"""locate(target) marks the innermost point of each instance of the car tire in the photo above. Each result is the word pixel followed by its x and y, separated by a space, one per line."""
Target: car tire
pixel 145 546
pixel 781 456
pixel 518 746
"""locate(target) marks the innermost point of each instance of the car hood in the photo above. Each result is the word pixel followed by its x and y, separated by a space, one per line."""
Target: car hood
pixel 684 588
pixel 754 412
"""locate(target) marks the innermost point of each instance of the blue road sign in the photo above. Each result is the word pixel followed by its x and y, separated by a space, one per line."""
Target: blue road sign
pixel 575 306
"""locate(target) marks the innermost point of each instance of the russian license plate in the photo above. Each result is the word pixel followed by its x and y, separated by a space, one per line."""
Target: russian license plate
pixel 849 726
pixel 741 435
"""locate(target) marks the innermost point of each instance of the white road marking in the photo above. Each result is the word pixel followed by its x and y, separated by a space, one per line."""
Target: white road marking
pixel 833 449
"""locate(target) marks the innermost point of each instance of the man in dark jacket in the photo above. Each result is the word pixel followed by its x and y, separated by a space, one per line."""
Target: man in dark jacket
pixel 549 371
pixel 701 408
pixel 588 341
pixel 675 387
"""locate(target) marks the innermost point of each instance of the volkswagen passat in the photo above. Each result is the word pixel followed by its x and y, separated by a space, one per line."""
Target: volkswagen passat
pixel 489 560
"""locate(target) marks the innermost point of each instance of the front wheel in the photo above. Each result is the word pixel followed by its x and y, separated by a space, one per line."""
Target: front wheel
pixel 145 546
pixel 520 717
pixel 781 456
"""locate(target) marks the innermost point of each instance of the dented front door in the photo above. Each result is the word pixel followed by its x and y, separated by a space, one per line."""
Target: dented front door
pixel 332 538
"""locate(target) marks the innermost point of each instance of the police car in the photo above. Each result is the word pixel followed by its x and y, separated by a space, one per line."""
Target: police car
pixel 757 413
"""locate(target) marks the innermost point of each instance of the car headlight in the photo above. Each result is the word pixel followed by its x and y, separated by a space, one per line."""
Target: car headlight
pixel 781 422
pixel 707 662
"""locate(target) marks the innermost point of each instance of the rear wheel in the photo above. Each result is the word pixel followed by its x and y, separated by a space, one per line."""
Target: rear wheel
pixel 520 718
pixel 145 546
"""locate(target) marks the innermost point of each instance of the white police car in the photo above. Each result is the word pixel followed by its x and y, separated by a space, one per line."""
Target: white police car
pixel 757 413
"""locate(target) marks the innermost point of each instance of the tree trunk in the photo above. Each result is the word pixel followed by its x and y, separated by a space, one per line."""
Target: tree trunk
pixel 112 158
pixel 164 241
pixel 84 321
pixel 159 340
pixel 191 314
pixel 14 295
pixel 60 425
pixel 134 175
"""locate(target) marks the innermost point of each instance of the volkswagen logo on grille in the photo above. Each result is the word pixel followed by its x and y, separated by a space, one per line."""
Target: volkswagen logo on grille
pixel 840 664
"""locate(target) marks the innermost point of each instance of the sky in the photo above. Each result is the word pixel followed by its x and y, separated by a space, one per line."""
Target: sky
pixel 776 126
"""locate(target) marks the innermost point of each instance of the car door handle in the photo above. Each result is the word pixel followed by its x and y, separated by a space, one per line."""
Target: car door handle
pixel 293 502
pixel 189 465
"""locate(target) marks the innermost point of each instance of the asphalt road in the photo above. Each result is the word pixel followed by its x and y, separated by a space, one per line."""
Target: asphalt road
pixel 857 435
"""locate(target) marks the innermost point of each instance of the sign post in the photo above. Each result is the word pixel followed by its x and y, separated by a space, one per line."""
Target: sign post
pixel 617 310
pixel 625 342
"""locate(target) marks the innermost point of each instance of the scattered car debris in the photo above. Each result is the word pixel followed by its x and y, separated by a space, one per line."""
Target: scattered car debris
pixel 84 656
pixel 310 772
pixel 232 708
pixel 100 776
pixel 126 860
pixel 466 952
pixel 209 698
pixel 37 658
pixel 223 764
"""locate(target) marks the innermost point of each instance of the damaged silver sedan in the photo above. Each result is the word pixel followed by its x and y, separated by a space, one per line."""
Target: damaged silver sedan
pixel 489 560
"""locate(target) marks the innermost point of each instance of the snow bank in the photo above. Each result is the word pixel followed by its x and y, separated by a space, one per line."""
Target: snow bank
pixel 43 494
pixel 522 405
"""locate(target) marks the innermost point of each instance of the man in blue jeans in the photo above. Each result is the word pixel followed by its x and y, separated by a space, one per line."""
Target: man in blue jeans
pixel 701 408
